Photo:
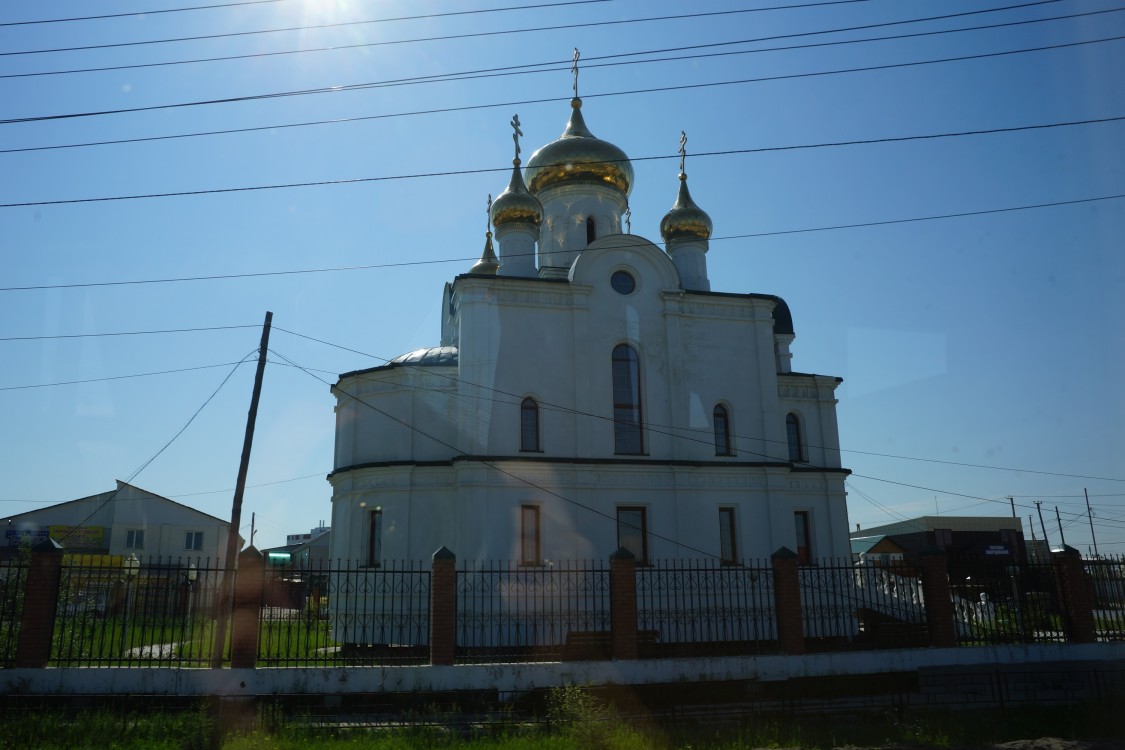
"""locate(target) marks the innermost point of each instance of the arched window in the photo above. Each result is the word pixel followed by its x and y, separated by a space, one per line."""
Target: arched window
pixel 591 230
pixel 529 425
pixel 722 431
pixel 627 436
pixel 793 435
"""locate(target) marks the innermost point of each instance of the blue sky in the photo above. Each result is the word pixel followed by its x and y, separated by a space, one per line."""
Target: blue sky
pixel 994 340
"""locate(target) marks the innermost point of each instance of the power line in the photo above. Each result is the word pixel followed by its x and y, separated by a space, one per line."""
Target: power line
pixel 401 264
pixel 487 170
pixel 592 62
pixel 262 2
pixel 115 377
pixel 530 68
pixel 447 37
pixel 122 333
pixel 370 85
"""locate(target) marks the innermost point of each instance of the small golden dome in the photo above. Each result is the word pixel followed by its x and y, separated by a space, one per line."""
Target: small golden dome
pixel 488 263
pixel 685 220
pixel 577 156
pixel 515 205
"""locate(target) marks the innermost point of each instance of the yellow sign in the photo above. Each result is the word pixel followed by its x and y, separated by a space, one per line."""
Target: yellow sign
pixel 78 537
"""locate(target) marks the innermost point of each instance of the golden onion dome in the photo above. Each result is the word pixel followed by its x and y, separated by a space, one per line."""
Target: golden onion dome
pixel 577 156
pixel 516 205
pixel 685 220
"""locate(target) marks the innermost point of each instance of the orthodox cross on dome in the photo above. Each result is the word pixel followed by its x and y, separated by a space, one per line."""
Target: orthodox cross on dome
pixel 488 215
pixel 516 135
pixel 574 70
pixel 628 220
pixel 683 150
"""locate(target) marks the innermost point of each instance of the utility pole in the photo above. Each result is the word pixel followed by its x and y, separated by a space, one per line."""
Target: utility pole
pixel 253 518
pixel 1012 500
pixel 1058 520
pixel 236 507
pixel 1090 515
pixel 1042 526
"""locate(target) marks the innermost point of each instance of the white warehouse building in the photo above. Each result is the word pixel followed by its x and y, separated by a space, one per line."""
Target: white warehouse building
pixel 590 392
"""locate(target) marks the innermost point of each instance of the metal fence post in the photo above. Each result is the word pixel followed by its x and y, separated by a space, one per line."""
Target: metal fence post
pixel 623 603
pixel 443 607
pixel 1078 609
pixel 939 604
pixel 40 602
pixel 787 601
pixel 249 584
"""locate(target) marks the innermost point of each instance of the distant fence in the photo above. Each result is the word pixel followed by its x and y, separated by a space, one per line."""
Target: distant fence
pixel 69 611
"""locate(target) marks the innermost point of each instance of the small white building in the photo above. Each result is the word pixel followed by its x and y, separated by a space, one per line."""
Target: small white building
pixel 590 391
pixel 124 521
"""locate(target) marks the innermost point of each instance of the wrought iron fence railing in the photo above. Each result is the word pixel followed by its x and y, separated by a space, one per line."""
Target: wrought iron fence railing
pixel 846 605
pixel 13 581
pixel 695 607
pixel 512 612
pixel 158 613
pixel 1005 601
pixel 345 614
pixel 1106 577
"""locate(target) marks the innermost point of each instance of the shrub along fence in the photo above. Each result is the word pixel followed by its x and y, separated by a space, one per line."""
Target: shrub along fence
pixel 67 610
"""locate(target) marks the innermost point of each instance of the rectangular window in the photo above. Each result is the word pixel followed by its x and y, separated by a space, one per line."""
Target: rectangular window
pixel 375 537
pixel 193 540
pixel 632 531
pixel 135 539
pixel 529 535
pixel 804 550
pixel 728 543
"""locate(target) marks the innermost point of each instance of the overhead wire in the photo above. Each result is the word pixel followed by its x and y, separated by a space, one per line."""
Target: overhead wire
pixel 146 12
pixel 370 85
pixel 112 377
pixel 448 37
pixel 601 61
pixel 493 170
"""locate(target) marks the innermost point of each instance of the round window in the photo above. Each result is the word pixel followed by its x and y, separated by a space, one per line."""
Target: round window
pixel 622 282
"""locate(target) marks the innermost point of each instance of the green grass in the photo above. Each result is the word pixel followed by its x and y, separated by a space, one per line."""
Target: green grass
pixel 577 722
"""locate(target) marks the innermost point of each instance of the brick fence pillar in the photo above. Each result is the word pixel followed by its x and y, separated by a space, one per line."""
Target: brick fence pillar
pixel 40 602
pixel 623 603
pixel 939 603
pixel 787 601
pixel 249 585
pixel 443 607
pixel 1078 609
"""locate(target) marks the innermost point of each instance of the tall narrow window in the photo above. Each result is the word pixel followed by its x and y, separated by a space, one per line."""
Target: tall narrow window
pixel 529 425
pixel 728 542
pixel 722 431
pixel 632 531
pixel 374 537
pixel 591 230
pixel 804 551
pixel 793 435
pixel 529 535
pixel 627 437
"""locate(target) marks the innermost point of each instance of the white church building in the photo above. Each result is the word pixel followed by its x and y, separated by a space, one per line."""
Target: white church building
pixel 590 391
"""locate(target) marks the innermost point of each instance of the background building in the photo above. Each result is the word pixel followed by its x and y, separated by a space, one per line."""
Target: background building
pixel 127 520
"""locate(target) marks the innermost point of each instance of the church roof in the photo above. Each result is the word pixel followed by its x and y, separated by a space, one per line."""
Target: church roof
pixel 578 156
pixel 434 356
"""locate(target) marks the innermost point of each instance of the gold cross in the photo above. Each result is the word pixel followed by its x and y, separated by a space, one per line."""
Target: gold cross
pixel 516 135
pixel 683 150
pixel 574 70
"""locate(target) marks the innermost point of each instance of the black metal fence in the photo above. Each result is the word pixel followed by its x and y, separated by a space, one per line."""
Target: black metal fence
pixel 1107 594
pixel 845 605
pixel 345 614
pixel 691 607
pixel 13 580
pixel 510 612
pixel 1005 601
pixel 154 613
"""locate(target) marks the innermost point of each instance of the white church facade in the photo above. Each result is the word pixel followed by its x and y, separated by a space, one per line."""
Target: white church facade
pixel 590 392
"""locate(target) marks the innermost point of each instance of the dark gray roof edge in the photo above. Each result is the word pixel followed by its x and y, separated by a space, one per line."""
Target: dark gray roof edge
pixel 735 295
pixel 499 277
pixel 114 491
pixel 809 375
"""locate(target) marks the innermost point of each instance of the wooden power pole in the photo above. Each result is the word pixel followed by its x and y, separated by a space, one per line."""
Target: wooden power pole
pixel 231 560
